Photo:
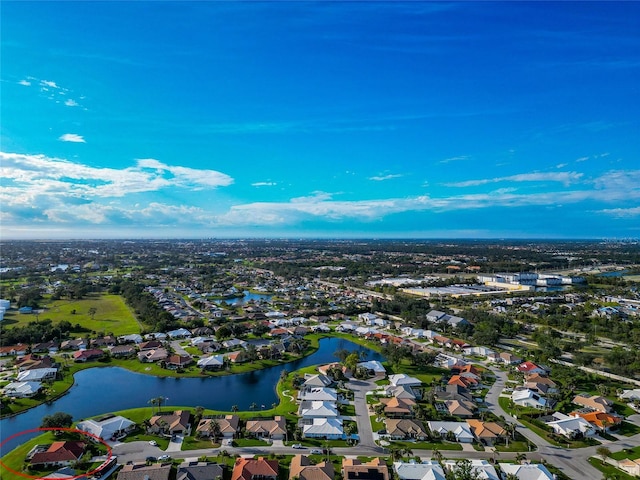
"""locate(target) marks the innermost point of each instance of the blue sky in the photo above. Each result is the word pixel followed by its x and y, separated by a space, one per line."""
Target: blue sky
pixel 320 119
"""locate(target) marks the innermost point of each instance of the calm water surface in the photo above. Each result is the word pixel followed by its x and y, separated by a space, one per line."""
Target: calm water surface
pixel 108 389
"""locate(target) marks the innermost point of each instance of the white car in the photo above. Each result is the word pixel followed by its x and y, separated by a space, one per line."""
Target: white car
pixel 153 443
pixel 162 458
pixel 297 446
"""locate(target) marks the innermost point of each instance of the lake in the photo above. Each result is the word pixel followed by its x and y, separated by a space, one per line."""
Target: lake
pixel 248 296
pixel 108 389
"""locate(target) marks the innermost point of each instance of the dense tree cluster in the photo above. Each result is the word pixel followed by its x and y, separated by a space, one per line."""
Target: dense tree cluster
pixel 39 331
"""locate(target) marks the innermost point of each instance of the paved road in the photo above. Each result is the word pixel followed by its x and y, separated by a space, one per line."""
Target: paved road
pixel 573 462
pixel 360 389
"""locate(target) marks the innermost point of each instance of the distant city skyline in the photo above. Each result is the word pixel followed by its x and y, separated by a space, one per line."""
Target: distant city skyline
pixel 320 119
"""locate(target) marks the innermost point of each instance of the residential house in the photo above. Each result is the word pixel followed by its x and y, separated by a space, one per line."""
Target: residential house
pixel 509 358
pixel 402 392
pixel 22 389
pixel 461 408
pixel 324 394
pixel 374 367
pixel 76 344
pixel 355 469
pixel 33 361
pixel 108 428
pixel 214 362
pixel 398 407
pixel 479 351
pixel 631 395
pixel 529 368
pixel 320 409
pixel 600 420
pixel 142 471
pixel 570 427
pixel 464 382
pixel 632 467
pixel 48 347
pixel 179 333
pixel 173 423
pixel 316 380
pixel 57 454
pixel 37 375
pixel 87 355
pixel 237 357
pixel 228 426
pixel 275 428
pixel 17 350
pixel 459 430
pixel 122 351
pixel 302 469
pixel 404 379
pixel 527 471
pixel 541 384
pixel 234 343
pixel 325 428
pixel 425 470
pixel 178 361
pixel 199 471
pixel 151 356
pixel 593 402
pixel 486 432
pixel 482 469
pixel 405 429
pixel 150 345
pixel 131 338
pixel 528 398
pixel 255 469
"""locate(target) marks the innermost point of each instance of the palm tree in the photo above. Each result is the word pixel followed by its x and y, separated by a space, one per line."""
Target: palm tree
pixel 408 452
pixel 198 414
pixel 604 452
pixel 253 406
pixel 234 408
pixel 156 401
pixel 520 457
pixel 437 455
pixel 395 453
pixel 214 429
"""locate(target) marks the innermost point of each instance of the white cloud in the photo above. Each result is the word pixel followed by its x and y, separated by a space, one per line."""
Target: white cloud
pixel 72 137
pixel 48 83
pixel 264 184
pixel 381 178
pixel 198 178
pixel 582 159
pixel 561 165
pixel 71 103
pixel 26 83
pixel 622 212
pixel 565 178
pixel 454 159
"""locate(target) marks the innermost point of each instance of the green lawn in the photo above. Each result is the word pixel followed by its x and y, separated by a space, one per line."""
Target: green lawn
pixel 610 470
pixel 112 314
pixel 630 453
pixel 427 445
pixel 628 429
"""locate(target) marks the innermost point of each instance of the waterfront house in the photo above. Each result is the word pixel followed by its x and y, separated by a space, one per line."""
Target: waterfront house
pixel 108 428
pixel 229 426
pixel 58 454
pixel 275 428
pixel 172 423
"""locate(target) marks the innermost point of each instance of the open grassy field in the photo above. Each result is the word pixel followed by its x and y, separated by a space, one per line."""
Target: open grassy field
pixel 112 314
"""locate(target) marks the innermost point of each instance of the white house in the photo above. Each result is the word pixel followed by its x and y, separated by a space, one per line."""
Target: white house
pixel 480 351
pixel 630 395
pixel 319 394
pixel 571 427
pixel 460 430
pixel 367 318
pixel 402 379
pixel 179 333
pixel 110 428
pixel 212 362
pixel 318 409
pixel 528 471
pixel 375 366
pixel 37 375
pixel 426 470
pixel 22 389
pixel 330 428
pixel 483 469
pixel 528 398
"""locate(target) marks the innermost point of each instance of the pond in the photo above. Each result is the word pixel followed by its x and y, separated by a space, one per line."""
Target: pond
pixel 248 297
pixel 109 389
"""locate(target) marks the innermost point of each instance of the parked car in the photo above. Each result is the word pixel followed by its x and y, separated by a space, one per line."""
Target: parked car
pixel 153 443
pixel 162 458
pixel 151 459
pixel 316 451
pixel 297 446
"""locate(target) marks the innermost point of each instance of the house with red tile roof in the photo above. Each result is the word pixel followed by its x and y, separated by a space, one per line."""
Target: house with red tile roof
pixel 255 469
pixel 529 368
pixel 87 355
pixel 58 454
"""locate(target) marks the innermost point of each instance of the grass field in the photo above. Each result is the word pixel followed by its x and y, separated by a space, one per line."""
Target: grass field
pixel 112 314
